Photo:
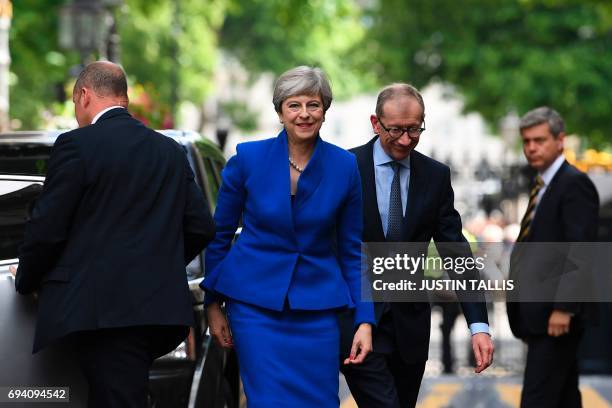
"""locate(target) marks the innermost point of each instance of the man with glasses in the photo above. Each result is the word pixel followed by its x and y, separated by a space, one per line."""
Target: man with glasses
pixel 407 197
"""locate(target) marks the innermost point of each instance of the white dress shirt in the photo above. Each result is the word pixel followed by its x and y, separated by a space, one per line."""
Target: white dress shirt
pixel 102 112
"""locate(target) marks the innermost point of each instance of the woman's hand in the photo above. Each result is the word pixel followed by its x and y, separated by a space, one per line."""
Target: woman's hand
pixel 219 328
pixel 362 344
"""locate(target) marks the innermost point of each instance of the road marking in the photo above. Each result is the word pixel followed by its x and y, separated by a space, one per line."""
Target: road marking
pixel 440 395
pixel 349 403
pixel 511 395
pixel 592 399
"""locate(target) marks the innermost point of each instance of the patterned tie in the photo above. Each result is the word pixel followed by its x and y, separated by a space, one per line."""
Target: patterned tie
pixel 394 223
pixel 528 217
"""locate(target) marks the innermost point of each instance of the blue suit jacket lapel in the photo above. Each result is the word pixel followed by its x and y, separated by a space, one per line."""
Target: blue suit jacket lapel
pixel 278 173
pixel 277 176
pixel 313 174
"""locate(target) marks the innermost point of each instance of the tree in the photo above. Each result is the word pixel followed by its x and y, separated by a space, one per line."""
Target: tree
pixel 168 47
pixel 275 35
pixel 504 56
pixel 39 68
pixel 171 47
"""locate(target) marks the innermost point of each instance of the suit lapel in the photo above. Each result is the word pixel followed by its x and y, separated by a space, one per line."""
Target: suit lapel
pixel 372 223
pixel 277 180
pixel 547 197
pixel 417 188
pixel 312 175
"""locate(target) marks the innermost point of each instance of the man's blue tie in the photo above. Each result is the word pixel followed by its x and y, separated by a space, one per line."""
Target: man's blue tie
pixel 394 224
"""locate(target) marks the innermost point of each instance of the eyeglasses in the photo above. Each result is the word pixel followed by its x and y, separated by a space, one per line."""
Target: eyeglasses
pixel 397 132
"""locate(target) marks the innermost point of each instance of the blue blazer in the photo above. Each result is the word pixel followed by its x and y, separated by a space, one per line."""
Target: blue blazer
pixel 307 252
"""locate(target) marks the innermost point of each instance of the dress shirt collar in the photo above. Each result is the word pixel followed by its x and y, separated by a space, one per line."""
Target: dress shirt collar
pixel 548 174
pixel 381 157
pixel 102 112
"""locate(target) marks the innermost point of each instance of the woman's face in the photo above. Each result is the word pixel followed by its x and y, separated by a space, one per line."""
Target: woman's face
pixel 302 116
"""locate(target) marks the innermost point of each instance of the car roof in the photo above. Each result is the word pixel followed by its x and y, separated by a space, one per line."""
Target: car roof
pixel 47 137
pixel 37 137
pixel 21 177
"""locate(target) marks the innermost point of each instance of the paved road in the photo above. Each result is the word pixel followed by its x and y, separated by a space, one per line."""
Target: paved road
pixel 488 391
pixel 499 386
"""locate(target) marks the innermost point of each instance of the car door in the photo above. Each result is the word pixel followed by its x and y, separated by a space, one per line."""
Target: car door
pixel 53 366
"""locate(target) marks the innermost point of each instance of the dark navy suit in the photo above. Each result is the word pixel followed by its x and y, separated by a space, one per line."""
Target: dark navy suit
pixel 401 339
pixel 291 257
pixel 567 212
pixel 119 217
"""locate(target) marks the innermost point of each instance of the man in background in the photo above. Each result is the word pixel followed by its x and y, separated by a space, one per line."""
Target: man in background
pixel 563 207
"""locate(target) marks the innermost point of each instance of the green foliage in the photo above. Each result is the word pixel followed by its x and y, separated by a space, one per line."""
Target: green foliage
pixel 38 67
pixel 167 47
pixel 171 45
pixel 240 115
pixel 275 35
pixel 504 56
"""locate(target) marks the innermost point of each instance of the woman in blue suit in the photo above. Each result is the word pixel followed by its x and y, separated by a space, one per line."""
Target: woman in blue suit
pixel 297 260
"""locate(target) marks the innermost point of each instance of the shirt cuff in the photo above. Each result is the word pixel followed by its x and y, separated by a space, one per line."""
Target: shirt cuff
pixel 479 328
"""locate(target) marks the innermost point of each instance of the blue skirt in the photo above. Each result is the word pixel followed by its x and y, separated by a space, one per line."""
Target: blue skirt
pixel 287 359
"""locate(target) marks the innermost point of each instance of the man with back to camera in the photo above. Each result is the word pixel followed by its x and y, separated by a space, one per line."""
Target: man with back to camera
pixel 563 207
pixel 119 218
pixel 407 198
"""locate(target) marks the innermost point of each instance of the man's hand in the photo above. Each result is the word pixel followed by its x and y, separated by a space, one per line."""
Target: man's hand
pixel 13 271
pixel 362 344
pixel 559 323
pixel 219 328
pixel 483 351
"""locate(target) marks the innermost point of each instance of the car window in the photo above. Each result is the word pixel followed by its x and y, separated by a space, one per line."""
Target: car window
pixel 24 158
pixel 196 167
pixel 213 179
pixel 17 200
pixel 218 167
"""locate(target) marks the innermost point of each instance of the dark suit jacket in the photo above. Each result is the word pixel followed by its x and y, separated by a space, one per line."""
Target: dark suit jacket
pixel 568 212
pixel 119 218
pixel 430 213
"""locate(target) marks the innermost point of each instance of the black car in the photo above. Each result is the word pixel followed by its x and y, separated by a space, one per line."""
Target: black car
pixel 195 374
